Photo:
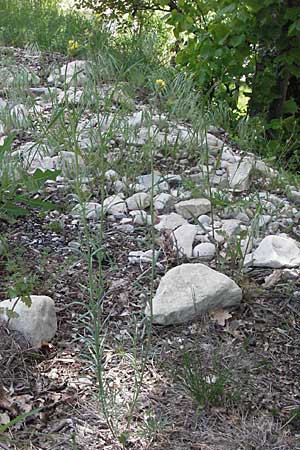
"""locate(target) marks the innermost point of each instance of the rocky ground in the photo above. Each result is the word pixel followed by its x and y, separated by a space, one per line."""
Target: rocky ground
pixel 140 204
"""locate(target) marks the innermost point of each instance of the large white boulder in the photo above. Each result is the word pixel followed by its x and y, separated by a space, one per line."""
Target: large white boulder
pixel 193 208
pixel 275 252
pixel 37 323
pixel 188 291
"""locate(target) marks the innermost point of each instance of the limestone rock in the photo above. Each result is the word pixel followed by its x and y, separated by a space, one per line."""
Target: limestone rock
pixel 188 291
pixel 204 251
pixel 140 217
pixel 239 175
pixel 68 161
pixel 140 200
pixel 170 222
pixel 183 239
pixel 92 210
pixel 275 252
pixel 20 114
pixel 37 323
pixel 75 72
pixel 145 182
pixel 230 226
pixel 164 202
pixel 193 208
pixel 114 205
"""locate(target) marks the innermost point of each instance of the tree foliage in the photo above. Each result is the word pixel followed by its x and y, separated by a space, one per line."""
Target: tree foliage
pixel 258 41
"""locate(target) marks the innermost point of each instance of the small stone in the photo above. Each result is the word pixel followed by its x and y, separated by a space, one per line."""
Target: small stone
pixel 183 239
pixel 205 251
pixel 140 217
pixel 111 175
pixel 91 210
pixel 164 202
pixel 114 205
pixel 20 114
pixel 239 175
pixel 140 200
pixel 193 208
pixel 170 222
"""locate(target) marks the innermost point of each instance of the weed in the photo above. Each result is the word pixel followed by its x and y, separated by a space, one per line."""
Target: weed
pixel 208 387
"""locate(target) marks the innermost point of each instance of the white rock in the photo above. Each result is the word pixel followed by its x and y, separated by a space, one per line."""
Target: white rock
pixel 140 217
pixel 239 175
pixel 293 196
pixel 75 72
pixel 275 252
pixel 264 220
pixel 205 251
pixel 111 175
pixel 68 161
pixel 164 202
pixel 189 290
pixel 213 143
pixel 37 323
pixel 91 210
pixel 170 222
pixel 140 200
pixel 204 220
pixel 19 114
pixel 145 183
pixel 183 239
pixel 193 208
pixel 135 256
pixel 3 104
pixel 230 226
pixel 114 205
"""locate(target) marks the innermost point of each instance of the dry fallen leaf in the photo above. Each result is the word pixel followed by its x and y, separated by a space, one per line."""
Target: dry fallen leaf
pixel 220 316
pixel 272 279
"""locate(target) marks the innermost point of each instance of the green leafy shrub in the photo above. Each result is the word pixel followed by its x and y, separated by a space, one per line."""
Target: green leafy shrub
pixel 17 186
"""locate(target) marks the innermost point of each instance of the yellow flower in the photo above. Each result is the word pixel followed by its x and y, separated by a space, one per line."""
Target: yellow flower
pixel 160 83
pixel 73 45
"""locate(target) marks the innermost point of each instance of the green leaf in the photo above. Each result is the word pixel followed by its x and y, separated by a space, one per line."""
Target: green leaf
pixel 235 41
pixel 290 107
pixel 26 300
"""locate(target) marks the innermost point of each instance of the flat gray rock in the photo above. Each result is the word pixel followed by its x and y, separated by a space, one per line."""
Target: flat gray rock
pixel 188 291
pixel 193 208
